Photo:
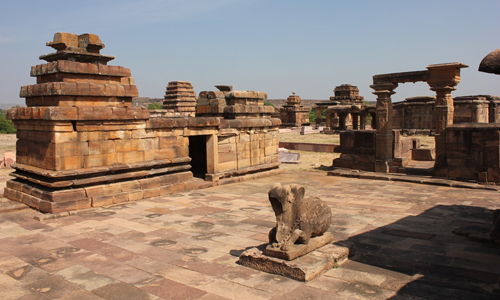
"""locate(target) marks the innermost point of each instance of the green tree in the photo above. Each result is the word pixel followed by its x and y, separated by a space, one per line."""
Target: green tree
pixel 312 114
pixel 154 106
pixel 267 103
pixel 6 126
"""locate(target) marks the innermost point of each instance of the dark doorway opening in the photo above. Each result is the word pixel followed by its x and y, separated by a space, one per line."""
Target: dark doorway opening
pixel 198 154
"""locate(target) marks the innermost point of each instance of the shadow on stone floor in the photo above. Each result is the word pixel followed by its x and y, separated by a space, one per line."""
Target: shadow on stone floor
pixel 421 257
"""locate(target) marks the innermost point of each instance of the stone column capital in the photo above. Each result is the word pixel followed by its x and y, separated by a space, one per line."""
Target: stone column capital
pixel 444 77
pixel 384 88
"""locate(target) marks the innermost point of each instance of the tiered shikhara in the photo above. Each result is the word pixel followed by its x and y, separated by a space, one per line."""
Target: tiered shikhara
pixel 180 97
pixel 80 143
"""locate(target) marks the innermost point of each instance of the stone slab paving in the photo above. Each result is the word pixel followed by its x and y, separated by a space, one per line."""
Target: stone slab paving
pixel 185 246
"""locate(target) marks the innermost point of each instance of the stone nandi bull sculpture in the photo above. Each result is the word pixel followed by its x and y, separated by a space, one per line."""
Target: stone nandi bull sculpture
pixel 297 219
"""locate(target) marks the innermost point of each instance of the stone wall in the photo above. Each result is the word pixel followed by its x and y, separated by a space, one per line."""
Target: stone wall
pixel 358 149
pixel 253 146
pixel 313 147
pixel 471 109
pixel 414 113
pixel 403 147
pixel 472 152
pixel 418 112
pixel 292 116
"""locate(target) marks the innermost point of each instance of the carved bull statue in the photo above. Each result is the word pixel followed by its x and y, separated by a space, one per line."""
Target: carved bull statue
pixel 297 219
pixel 495 230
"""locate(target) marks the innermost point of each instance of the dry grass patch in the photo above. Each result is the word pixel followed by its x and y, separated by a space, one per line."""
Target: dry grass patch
pixel 310 138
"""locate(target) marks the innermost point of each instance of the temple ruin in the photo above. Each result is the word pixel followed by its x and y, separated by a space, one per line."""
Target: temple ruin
pixel 292 114
pixel 346 109
pixel 81 143
pixel 467 151
pixel 417 113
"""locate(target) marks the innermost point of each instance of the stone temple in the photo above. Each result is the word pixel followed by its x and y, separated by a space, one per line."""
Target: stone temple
pixel 81 143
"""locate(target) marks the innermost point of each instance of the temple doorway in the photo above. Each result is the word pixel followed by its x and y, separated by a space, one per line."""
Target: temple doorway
pixel 198 155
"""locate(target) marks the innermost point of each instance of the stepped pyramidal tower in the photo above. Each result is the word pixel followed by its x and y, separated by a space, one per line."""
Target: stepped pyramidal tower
pixel 180 97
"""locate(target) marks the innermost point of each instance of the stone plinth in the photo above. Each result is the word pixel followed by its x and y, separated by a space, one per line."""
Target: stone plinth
pixel 304 268
pixel 300 249
pixel 180 97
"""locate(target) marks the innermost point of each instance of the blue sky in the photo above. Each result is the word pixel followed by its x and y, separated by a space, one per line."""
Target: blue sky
pixel 275 46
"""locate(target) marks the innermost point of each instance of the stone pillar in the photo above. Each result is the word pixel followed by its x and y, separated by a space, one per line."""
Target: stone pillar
pixel 383 158
pixel 355 121
pixel 319 110
pixel 335 121
pixel 442 79
pixel 328 121
pixel 493 111
pixel 212 154
pixel 374 121
pixel 342 121
pixel 362 121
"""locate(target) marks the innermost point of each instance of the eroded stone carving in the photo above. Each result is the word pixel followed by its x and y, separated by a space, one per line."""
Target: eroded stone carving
pixel 298 219
pixel 301 228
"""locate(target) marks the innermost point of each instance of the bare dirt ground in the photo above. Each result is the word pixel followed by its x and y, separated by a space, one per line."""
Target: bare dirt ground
pixel 310 138
pixel 426 141
pixel 7 143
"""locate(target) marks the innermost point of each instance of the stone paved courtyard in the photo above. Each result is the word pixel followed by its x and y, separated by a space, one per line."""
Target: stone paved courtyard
pixel 185 246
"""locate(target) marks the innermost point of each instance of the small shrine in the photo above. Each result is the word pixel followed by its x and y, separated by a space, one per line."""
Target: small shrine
pixel 292 114
pixel 345 108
